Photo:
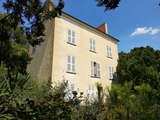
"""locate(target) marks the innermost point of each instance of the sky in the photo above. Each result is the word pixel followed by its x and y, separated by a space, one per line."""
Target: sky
pixel 135 23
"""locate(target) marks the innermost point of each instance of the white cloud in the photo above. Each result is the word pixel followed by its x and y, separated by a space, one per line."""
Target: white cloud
pixel 155 31
pixel 145 30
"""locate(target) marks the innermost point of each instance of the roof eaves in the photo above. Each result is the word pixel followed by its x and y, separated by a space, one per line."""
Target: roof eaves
pixel 90 26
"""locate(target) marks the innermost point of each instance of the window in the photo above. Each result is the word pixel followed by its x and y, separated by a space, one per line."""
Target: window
pixel 70 88
pixel 92 45
pixel 109 52
pixel 90 92
pixel 71 64
pixel 95 69
pixel 71 37
pixel 111 72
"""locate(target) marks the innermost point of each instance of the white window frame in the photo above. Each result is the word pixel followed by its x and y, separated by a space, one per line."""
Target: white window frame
pixel 71 37
pixel 71 87
pixel 71 64
pixel 91 91
pixel 109 52
pixel 92 45
pixel 69 90
pixel 111 72
pixel 95 69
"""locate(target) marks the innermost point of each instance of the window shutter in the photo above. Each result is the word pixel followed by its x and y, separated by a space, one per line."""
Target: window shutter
pixel 110 72
pixel 95 68
pixel 110 52
pixel 98 69
pixel 107 51
pixel 94 46
pixel 73 37
pixel 69 64
pixel 90 44
pixel 73 64
pixel 92 68
pixel 69 36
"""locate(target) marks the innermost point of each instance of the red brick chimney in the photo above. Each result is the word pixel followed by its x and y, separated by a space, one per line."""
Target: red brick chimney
pixel 103 27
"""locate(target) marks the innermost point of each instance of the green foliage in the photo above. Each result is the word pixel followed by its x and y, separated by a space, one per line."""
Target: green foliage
pixel 109 4
pixel 89 111
pixel 31 100
pixel 14 55
pixel 124 104
pixel 21 25
pixel 136 95
pixel 141 65
pixel 100 91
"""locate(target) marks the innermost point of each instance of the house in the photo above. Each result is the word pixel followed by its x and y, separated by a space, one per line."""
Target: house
pixel 75 51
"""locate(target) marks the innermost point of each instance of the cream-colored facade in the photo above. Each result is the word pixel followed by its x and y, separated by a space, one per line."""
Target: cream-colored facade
pixel 51 58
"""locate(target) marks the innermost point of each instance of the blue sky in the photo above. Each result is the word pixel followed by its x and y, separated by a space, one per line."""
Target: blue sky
pixel 135 22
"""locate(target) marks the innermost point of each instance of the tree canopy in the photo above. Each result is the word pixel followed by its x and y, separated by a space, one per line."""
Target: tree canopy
pixel 141 65
pixel 108 4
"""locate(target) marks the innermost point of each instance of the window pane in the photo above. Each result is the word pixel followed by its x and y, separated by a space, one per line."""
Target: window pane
pixel 90 42
pixel 69 39
pixel 94 48
pixel 94 43
pixel 73 34
pixel 72 87
pixel 73 60
pixel 73 40
pixel 69 32
pixel 69 67
pixel 107 48
pixel 73 68
pixel 109 69
pixel 112 70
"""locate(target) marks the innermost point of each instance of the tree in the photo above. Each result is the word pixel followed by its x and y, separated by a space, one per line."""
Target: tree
pixel 141 65
pixel 109 4
pixel 20 26
pixel 100 92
